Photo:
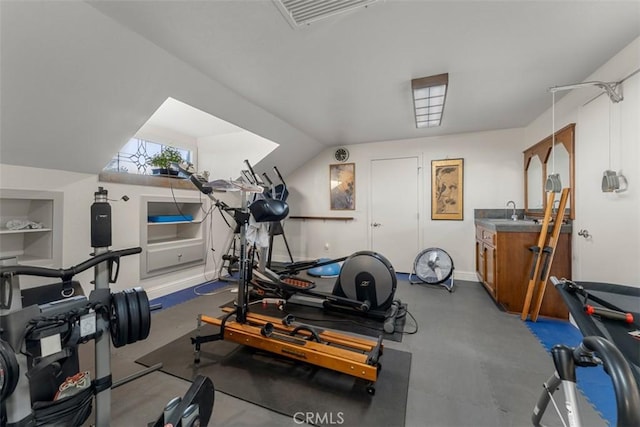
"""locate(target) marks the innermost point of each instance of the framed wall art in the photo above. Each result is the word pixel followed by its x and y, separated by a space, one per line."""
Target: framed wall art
pixel 447 189
pixel 342 179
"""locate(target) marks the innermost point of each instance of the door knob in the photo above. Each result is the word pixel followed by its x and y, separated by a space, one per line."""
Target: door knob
pixel 375 224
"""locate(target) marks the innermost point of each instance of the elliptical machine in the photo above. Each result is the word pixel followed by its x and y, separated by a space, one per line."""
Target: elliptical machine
pixel 365 286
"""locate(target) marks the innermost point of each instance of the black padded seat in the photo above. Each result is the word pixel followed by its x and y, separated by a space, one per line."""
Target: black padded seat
pixel 269 210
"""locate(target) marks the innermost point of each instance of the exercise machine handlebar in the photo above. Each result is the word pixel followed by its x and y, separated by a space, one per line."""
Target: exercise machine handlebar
pixel 624 385
pixel 68 273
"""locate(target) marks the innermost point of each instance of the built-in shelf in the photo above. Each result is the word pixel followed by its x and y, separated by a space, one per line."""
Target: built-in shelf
pixel 33 246
pixel 146 180
pixel 172 245
pixel 27 230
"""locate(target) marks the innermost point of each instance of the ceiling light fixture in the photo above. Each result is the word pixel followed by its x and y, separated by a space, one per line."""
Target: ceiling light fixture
pixel 429 94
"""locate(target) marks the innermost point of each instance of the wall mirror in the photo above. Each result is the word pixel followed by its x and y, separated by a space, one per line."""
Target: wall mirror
pixel 540 160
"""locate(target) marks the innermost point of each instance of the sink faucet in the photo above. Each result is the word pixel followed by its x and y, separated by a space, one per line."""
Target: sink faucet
pixel 514 216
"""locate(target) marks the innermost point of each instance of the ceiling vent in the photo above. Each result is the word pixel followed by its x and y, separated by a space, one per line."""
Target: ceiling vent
pixel 304 12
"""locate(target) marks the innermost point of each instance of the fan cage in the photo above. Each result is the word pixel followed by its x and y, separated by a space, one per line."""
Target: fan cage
pixel 445 263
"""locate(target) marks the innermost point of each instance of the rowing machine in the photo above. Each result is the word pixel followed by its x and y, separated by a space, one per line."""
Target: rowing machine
pixel 357 357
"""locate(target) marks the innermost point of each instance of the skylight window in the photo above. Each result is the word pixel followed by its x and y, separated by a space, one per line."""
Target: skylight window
pixel 429 94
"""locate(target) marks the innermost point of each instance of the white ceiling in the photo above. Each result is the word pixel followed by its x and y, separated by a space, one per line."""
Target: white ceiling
pixel 190 121
pixel 346 79
pixel 79 78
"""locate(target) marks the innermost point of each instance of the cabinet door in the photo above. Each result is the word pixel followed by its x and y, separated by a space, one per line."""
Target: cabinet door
pixel 480 264
pixel 490 269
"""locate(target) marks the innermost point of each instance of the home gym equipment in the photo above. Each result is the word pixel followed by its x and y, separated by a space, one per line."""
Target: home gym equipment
pixel 278 192
pixel 537 252
pixel 606 310
pixel 194 409
pixel 549 251
pixel 366 285
pixel 607 316
pixel 433 266
pixel 350 355
pixel 39 341
pixel 593 351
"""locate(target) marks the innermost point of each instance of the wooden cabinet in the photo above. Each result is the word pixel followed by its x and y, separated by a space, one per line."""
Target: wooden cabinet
pixel 172 234
pixel 503 265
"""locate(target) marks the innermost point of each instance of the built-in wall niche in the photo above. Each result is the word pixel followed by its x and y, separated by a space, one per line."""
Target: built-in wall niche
pixel 540 160
pixel 31 226
pixel 171 234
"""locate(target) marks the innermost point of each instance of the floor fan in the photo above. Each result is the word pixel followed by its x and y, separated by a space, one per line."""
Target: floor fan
pixel 433 266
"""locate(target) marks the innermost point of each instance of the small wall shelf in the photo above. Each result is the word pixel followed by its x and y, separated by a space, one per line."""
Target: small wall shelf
pixel 172 245
pixel 35 246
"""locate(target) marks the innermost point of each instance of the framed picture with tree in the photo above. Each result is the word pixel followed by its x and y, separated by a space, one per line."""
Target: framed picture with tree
pixel 342 178
pixel 447 189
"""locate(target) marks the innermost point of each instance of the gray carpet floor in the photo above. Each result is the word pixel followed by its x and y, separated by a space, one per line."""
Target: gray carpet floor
pixel 472 365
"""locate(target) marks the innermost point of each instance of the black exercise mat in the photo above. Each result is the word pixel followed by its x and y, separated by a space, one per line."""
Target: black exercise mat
pixel 342 321
pixel 289 387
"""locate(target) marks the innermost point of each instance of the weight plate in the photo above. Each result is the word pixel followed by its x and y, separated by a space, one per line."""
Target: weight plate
pixel 119 319
pixel 145 313
pixel 9 371
pixel 134 315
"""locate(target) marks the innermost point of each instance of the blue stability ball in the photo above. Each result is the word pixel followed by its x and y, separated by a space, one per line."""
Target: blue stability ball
pixel 329 270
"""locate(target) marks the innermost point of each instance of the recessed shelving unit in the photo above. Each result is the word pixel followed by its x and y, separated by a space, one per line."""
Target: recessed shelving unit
pixel 33 246
pixel 171 234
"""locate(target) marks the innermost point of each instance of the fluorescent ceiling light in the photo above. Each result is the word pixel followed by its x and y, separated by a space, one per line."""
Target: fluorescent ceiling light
pixel 429 94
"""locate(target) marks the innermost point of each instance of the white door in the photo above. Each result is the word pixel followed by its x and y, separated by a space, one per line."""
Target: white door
pixel 610 252
pixel 394 215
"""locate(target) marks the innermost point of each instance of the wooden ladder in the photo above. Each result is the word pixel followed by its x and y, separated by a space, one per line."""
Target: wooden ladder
pixel 550 251
pixel 537 258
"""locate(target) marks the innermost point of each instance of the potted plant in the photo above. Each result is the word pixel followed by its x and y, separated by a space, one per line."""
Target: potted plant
pixel 163 161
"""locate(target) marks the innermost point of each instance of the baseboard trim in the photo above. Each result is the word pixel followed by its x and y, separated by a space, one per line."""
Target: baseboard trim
pixel 173 287
pixel 466 275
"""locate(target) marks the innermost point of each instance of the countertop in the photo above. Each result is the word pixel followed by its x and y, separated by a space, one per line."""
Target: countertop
pixel 519 226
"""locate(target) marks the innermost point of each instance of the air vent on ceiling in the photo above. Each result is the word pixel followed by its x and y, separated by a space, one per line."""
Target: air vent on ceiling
pixel 303 12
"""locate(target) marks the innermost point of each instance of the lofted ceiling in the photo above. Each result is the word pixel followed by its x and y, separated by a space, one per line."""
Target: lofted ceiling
pixel 339 81
pixel 346 79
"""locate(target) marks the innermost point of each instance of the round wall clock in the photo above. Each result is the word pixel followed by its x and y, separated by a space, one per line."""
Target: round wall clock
pixel 341 154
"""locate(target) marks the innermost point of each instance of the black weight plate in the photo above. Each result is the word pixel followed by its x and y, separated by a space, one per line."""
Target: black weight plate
pixel 134 315
pixel 145 313
pixel 119 319
pixel 9 371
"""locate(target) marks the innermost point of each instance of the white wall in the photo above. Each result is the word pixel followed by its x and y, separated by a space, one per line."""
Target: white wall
pixel 612 252
pixel 224 155
pixel 126 220
pixel 492 176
